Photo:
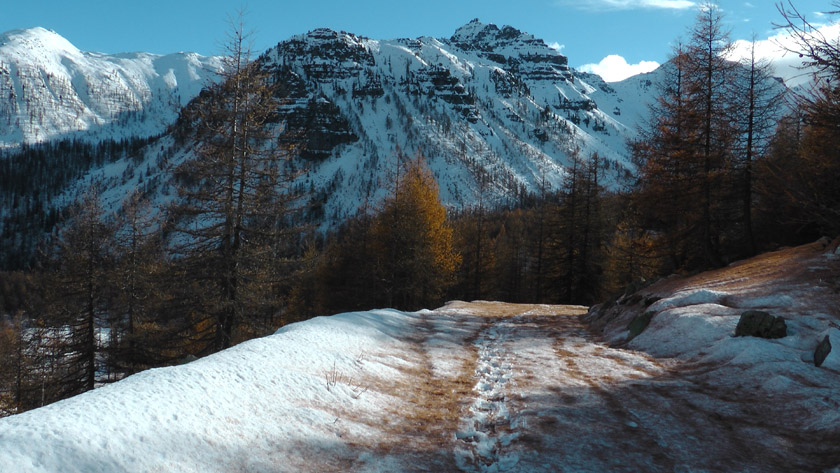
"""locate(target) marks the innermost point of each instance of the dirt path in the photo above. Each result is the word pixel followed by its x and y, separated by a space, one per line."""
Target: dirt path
pixel 527 388
pixel 489 387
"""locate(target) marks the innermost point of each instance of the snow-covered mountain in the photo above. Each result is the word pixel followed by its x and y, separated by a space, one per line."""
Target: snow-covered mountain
pixel 51 90
pixel 492 104
pixel 496 111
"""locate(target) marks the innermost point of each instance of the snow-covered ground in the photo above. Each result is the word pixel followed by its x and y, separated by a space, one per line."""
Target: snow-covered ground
pixel 481 387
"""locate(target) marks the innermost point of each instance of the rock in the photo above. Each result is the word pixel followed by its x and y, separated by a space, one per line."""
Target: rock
pixel 639 324
pixel 824 242
pixel 607 305
pixel 822 351
pixel 757 323
pixel 187 359
pixel 833 248
pixel 632 300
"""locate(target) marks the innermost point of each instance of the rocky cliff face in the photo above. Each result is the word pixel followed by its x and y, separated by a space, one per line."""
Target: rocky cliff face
pixel 487 105
pixel 517 52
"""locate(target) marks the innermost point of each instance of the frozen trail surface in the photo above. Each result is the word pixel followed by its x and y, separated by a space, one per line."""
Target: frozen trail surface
pixel 546 395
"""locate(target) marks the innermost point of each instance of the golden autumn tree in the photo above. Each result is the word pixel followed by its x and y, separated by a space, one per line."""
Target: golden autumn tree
pixel 415 257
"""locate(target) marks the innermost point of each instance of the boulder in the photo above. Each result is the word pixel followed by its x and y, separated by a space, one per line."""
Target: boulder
pixel 757 323
pixel 632 300
pixel 650 300
pixel 639 324
pixel 822 351
pixel 831 247
pixel 187 359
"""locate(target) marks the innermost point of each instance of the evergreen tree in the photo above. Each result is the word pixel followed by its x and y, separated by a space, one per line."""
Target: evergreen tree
pixel 80 295
pixel 235 195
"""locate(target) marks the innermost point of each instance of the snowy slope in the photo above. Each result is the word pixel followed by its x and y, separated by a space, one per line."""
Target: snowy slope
pixel 487 104
pixel 496 112
pixel 54 90
pixel 473 387
pixel 694 320
pixel 264 405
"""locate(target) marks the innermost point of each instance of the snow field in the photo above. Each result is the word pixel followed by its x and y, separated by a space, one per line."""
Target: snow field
pixel 59 90
pixel 694 322
pixel 266 405
pixel 473 387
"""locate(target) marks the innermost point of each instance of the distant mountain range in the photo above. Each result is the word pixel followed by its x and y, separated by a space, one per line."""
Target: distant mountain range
pixel 496 111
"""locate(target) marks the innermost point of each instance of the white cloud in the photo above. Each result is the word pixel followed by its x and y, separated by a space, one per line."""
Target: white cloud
pixel 614 68
pixel 556 46
pixel 775 50
pixel 629 4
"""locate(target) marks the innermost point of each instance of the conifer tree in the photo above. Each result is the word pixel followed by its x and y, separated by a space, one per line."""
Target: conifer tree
pixel 81 293
pixel 710 77
pixel 138 276
pixel 808 176
pixel 760 99
pixel 685 154
pixel 234 197
pixel 511 262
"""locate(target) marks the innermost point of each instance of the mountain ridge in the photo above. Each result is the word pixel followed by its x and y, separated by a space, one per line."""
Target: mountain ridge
pixel 58 91
pixel 498 118
pixel 521 112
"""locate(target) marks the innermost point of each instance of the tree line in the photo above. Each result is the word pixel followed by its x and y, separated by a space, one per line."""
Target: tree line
pixel 720 177
pixel 723 170
pixel 31 180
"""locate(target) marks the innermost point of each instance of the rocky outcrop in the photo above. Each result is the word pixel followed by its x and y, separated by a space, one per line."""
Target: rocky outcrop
pixel 439 82
pixel 322 125
pixel 514 51
pixel 757 323
pixel 639 324
pixel 822 351
pixel 326 55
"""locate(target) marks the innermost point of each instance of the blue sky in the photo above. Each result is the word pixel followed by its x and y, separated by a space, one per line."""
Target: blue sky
pixel 587 31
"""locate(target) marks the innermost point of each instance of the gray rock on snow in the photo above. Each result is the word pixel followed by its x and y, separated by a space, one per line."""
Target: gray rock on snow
pixel 757 323
pixel 822 351
pixel 639 324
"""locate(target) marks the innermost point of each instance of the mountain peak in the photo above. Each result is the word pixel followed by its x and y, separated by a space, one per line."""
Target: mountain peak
pixel 51 89
pixel 36 38
pixel 477 32
pixel 514 50
pixel 474 31
pixel 478 36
